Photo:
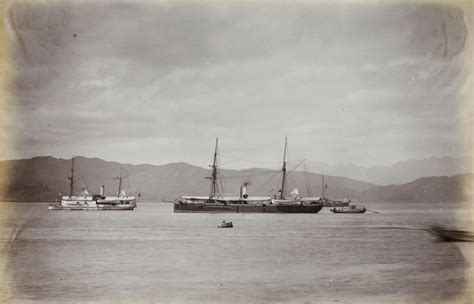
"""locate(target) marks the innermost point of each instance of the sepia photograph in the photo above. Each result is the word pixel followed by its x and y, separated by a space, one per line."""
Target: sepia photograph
pixel 236 151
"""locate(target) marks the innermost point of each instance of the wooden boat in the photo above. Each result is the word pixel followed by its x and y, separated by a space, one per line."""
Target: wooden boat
pixel 225 224
pixel 349 209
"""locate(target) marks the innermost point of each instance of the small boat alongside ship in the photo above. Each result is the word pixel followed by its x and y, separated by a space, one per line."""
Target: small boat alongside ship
pixel 225 224
pixel 349 209
pixel 244 203
pixel 85 201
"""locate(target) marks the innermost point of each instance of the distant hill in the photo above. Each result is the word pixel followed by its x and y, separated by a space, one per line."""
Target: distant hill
pixel 42 178
pixel 425 189
pixel 398 173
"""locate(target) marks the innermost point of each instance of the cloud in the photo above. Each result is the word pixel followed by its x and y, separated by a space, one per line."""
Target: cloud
pixel 104 82
pixel 346 82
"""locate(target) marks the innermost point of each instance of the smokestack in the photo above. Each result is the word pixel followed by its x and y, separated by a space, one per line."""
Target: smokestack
pixel 102 190
pixel 243 191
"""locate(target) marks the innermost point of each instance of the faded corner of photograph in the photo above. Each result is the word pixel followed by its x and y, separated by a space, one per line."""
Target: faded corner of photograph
pixel 236 152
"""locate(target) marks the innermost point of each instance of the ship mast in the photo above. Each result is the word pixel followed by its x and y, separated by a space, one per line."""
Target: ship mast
pixel 71 179
pixel 214 174
pixel 323 185
pixel 284 172
pixel 120 182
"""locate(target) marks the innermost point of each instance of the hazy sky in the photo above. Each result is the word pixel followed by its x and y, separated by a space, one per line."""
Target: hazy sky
pixel 157 82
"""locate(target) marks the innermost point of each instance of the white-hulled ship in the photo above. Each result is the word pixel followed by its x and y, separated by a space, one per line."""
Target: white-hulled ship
pixel 85 201
pixel 244 203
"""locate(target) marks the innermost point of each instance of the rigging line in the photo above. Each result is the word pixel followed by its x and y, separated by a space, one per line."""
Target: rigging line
pixel 108 176
pixel 138 173
pixel 85 182
pixel 307 180
pixel 261 186
pixel 249 160
pixel 126 173
pixel 248 175
pixel 295 167
pixel 128 179
pixel 100 176
pixel 79 179
pixel 179 187
pixel 221 187
pixel 227 165
pixel 222 182
pixel 259 171
pixel 185 183
pixel 252 170
pixel 294 161
pixel 291 181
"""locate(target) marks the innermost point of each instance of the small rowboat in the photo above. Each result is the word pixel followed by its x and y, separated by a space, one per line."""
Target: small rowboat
pixel 225 224
pixel 350 209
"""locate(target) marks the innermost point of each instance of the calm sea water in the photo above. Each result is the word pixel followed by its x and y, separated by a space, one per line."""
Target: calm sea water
pixel 154 255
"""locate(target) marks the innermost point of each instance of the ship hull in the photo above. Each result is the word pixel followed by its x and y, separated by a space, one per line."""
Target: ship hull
pixel 243 208
pixel 349 211
pixel 97 207
pixel 91 203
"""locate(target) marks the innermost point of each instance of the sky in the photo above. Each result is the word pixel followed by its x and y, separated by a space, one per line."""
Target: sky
pixel 370 84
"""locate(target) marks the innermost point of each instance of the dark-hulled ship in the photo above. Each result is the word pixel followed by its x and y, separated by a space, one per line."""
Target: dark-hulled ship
pixel 244 203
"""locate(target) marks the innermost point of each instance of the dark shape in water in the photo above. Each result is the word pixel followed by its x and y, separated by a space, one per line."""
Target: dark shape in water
pixel 225 224
pixel 451 235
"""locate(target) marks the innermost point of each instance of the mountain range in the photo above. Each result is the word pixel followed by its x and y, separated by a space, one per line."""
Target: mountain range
pixel 397 173
pixel 42 178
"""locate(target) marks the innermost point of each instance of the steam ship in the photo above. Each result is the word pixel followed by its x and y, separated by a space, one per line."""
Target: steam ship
pixel 245 203
pixel 85 201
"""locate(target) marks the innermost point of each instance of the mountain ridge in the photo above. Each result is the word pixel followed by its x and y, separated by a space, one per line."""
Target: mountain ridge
pixel 42 178
pixel 399 172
